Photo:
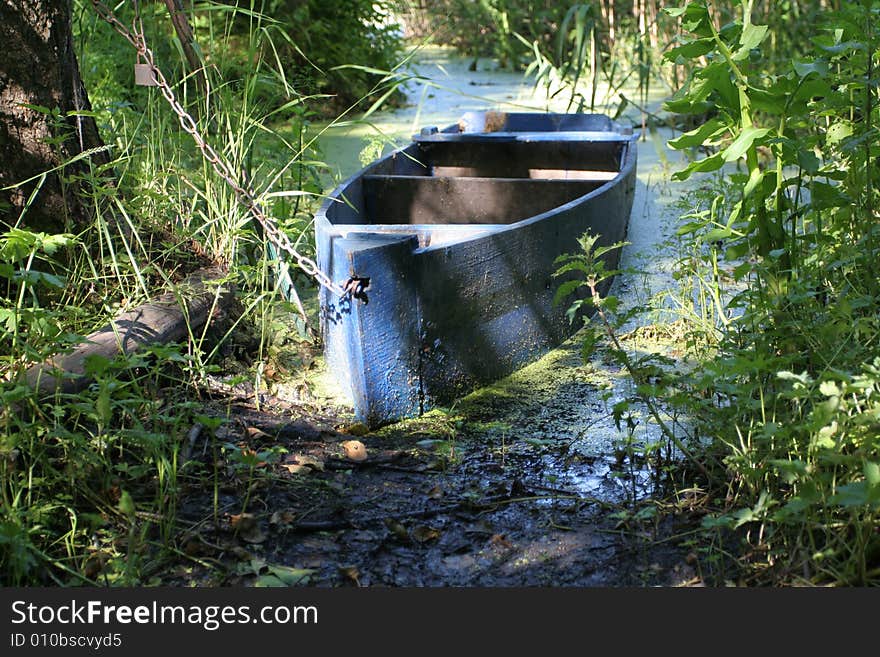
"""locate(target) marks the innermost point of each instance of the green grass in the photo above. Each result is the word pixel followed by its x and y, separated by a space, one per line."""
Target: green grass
pixel 92 481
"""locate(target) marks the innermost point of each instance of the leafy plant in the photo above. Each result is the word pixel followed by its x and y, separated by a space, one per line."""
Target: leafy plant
pixel 784 389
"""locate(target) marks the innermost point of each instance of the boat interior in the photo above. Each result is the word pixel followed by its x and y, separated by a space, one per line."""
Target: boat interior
pixel 478 179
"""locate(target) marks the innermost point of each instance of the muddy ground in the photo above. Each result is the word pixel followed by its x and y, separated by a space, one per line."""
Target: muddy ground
pixel 525 483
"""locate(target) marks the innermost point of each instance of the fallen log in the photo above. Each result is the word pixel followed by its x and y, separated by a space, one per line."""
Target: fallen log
pixel 169 318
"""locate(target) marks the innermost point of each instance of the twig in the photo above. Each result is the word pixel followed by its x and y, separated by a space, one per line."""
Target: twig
pixel 484 505
pixel 344 523
pixel 192 437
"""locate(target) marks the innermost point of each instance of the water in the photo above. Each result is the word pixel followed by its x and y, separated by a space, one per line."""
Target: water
pixel 448 90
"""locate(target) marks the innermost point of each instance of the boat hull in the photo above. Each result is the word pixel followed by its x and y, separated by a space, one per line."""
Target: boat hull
pixel 452 306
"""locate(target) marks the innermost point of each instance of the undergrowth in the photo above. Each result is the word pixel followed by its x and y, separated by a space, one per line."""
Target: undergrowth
pixel 778 293
pixel 92 478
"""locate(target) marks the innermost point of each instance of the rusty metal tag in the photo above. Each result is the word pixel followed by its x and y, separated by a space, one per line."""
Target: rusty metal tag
pixel 143 76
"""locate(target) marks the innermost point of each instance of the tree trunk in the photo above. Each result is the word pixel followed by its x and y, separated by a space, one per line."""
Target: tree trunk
pixel 38 67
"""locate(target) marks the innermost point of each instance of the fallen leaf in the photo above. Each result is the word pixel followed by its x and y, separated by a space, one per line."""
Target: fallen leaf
pixel 518 489
pixel 302 464
pixel 480 527
pixel 499 540
pixel 397 529
pixel 253 432
pixel 94 564
pixel 291 576
pixel 247 527
pixel 282 518
pixel 240 553
pixel 193 545
pixel 351 572
pixel 254 535
pixel 354 450
pixel 424 533
pixel 269 581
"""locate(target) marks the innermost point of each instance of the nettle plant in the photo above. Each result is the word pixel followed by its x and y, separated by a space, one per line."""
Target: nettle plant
pixel 752 115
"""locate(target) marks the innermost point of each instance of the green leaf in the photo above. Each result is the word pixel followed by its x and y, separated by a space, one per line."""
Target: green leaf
pixel 588 346
pixel 711 163
pixel 772 100
pixel 838 132
pixel 742 516
pixel 566 289
pixel 610 303
pixel 842 47
pixel 824 196
pixel 268 581
pixel 576 264
pixel 687 105
pixel 689 50
pixel 720 521
pixel 695 18
pixel 675 12
pixel 126 504
pixel 718 78
pixel 49 244
pixel 711 128
pixel 790 471
pixel 756 177
pixel 855 494
pixel 291 576
pixel 693 98
pixel 872 473
pixel 751 37
pixel 805 68
pixel 599 251
pixel 717 234
pixel 743 143
pixel 803 378
pixel 808 161
pixel 574 309
pixel 102 405
pixel 96 364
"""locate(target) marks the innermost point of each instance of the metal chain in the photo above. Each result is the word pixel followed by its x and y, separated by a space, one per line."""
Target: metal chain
pixel 245 195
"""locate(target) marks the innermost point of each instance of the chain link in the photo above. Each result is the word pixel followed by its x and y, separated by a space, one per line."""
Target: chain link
pixel 245 195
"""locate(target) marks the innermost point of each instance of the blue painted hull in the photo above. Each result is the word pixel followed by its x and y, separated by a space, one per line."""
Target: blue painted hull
pixel 458 234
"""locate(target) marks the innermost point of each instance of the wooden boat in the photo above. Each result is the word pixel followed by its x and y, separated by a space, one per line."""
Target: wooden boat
pixel 448 246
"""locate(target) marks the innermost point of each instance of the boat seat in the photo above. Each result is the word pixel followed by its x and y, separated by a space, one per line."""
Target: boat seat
pixel 395 199
pixel 513 158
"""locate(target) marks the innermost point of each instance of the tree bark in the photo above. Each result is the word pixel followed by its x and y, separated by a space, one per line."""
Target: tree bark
pixel 38 67
pixel 188 43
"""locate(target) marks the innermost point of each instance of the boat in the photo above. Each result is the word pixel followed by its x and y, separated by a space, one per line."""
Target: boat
pixel 446 249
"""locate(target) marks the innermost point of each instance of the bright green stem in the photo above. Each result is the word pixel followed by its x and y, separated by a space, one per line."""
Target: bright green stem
pixel 766 232
pixel 636 375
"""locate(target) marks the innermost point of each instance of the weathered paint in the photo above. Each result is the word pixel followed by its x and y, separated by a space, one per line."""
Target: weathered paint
pixel 455 305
